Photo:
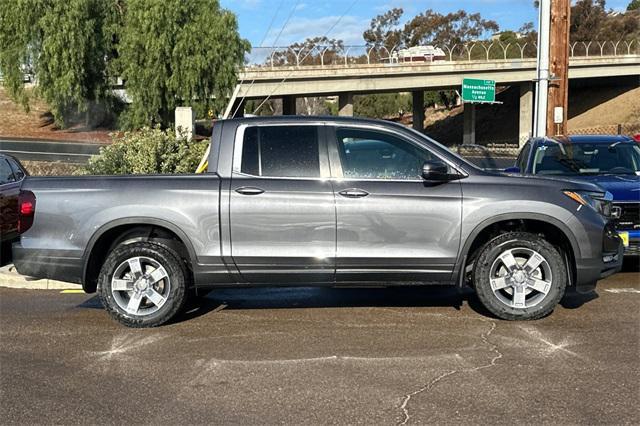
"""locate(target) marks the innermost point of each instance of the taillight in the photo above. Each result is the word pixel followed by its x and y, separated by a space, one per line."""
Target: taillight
pixel 27 209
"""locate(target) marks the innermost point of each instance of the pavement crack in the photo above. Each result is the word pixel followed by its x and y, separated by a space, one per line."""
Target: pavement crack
pixel 407 398
pixel 426 388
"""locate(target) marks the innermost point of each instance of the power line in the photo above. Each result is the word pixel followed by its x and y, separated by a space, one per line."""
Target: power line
pixel 264 38
pixel 204 161
pixel 305 57
pixel 286 22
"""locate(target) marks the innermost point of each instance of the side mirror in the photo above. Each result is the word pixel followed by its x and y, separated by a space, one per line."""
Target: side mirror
pixel 435 170
pixel 512 170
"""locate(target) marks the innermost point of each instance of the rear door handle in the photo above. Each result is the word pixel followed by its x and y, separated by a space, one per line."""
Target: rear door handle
pixel 249 190
pixel 353 193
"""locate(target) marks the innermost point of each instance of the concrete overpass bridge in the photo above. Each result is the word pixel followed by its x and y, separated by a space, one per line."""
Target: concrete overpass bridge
pixel 349 79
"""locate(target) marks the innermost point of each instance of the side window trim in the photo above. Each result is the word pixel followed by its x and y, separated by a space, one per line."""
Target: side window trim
pixel 236 170
pixel 335 159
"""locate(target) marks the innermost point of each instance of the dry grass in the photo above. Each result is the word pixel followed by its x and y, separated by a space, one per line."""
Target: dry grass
pixel 38 122
pixel 613 107
pixel 47 168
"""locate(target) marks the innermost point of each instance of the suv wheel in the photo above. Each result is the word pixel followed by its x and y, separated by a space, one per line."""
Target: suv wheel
pixel 519 276
pixel 143 284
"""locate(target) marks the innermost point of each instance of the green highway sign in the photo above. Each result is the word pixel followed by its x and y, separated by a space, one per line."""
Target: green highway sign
pixel 475 90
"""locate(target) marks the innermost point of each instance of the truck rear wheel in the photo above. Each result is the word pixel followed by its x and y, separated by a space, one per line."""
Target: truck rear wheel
pixel 519 276
pixel 143 284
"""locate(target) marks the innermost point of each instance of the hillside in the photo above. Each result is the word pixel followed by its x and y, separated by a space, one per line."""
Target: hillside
pixel 38 123
pixel 603 106
pixel 591 110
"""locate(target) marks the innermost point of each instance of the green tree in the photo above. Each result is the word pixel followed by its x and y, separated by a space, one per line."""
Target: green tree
pixel 634 5
pixel 312 51
pixel 174 53
pixel 453 28
pixel 383 31
pixel 65 44
pixel 587 18
pixel 170 53
pixel 382 105
pixel 591 22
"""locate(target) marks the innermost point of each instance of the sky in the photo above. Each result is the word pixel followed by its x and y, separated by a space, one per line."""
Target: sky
pixel 311 18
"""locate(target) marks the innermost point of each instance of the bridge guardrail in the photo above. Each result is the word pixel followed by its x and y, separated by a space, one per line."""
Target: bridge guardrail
pixel 332 55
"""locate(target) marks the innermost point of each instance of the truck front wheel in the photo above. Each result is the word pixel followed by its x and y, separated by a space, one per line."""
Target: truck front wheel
pixel 519 276
pixel 143 284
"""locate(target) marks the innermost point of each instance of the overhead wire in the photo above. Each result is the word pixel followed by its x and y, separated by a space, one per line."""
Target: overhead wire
pixel 204 163
pixel 305 57
pixel 275 41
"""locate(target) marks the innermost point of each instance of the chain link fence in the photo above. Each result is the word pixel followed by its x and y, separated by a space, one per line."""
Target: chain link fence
pixel 613 129
pixel 491 157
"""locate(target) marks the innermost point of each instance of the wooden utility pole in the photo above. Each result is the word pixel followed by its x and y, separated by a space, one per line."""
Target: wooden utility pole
pixel 558 68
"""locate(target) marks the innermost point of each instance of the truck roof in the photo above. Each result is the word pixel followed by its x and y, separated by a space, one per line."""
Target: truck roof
pixel 312 118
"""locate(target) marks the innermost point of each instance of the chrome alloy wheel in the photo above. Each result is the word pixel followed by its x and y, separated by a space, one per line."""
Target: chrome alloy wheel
pixel 520 278
pixel 140 286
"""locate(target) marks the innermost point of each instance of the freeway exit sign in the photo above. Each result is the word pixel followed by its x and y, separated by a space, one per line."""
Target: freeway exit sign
pixel 476 90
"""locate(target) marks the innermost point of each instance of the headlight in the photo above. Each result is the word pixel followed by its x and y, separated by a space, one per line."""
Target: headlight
pixel 600 202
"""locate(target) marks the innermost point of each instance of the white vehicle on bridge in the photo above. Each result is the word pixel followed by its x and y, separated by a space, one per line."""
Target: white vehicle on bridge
pixel 419 54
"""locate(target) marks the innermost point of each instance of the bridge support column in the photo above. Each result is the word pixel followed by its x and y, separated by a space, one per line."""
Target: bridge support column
pixel 289 105
pixel 526 112
pixel 469 134
pixel 418 110
pixel 345 104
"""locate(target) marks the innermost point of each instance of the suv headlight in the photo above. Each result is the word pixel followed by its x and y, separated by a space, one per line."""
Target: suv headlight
pixel 600 202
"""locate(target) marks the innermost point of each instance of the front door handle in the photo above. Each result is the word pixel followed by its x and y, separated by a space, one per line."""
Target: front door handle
pixel 353 193
pixel 249 190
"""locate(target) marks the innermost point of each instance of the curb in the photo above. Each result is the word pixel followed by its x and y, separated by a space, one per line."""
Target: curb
pixel 10 278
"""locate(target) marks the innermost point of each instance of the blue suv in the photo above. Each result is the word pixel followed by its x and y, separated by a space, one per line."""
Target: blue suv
pixel 612 162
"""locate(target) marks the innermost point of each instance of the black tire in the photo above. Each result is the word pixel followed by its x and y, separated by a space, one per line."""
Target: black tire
pixel 176 272
pixel 495 300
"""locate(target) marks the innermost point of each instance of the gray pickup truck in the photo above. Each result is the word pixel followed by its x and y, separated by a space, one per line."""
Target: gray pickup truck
pixel 295 201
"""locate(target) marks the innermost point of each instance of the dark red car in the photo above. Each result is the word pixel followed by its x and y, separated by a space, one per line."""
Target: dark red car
pixel 11 176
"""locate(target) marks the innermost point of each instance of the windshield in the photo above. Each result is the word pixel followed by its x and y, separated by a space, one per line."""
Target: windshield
pixel 619 158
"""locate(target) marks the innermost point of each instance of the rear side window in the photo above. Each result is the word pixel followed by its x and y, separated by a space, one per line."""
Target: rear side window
pixel 17 171
pixel 6 174
pixel 281 151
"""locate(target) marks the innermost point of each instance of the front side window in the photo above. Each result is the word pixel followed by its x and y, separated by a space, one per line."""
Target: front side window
pixel 281 151
pixel 6 174
pixel 369 154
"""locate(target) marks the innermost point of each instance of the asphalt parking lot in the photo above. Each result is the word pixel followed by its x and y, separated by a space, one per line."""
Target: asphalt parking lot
pixel 323 356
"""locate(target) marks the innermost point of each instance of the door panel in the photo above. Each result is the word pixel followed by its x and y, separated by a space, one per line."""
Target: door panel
pixel 286 233
pixel 282 208
pixel 403 229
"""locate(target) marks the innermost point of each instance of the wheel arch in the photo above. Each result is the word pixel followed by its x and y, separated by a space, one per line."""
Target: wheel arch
pixel 103 239
pixel 534 222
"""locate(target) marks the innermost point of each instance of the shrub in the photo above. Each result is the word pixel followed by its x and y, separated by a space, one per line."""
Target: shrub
pixel 147 151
